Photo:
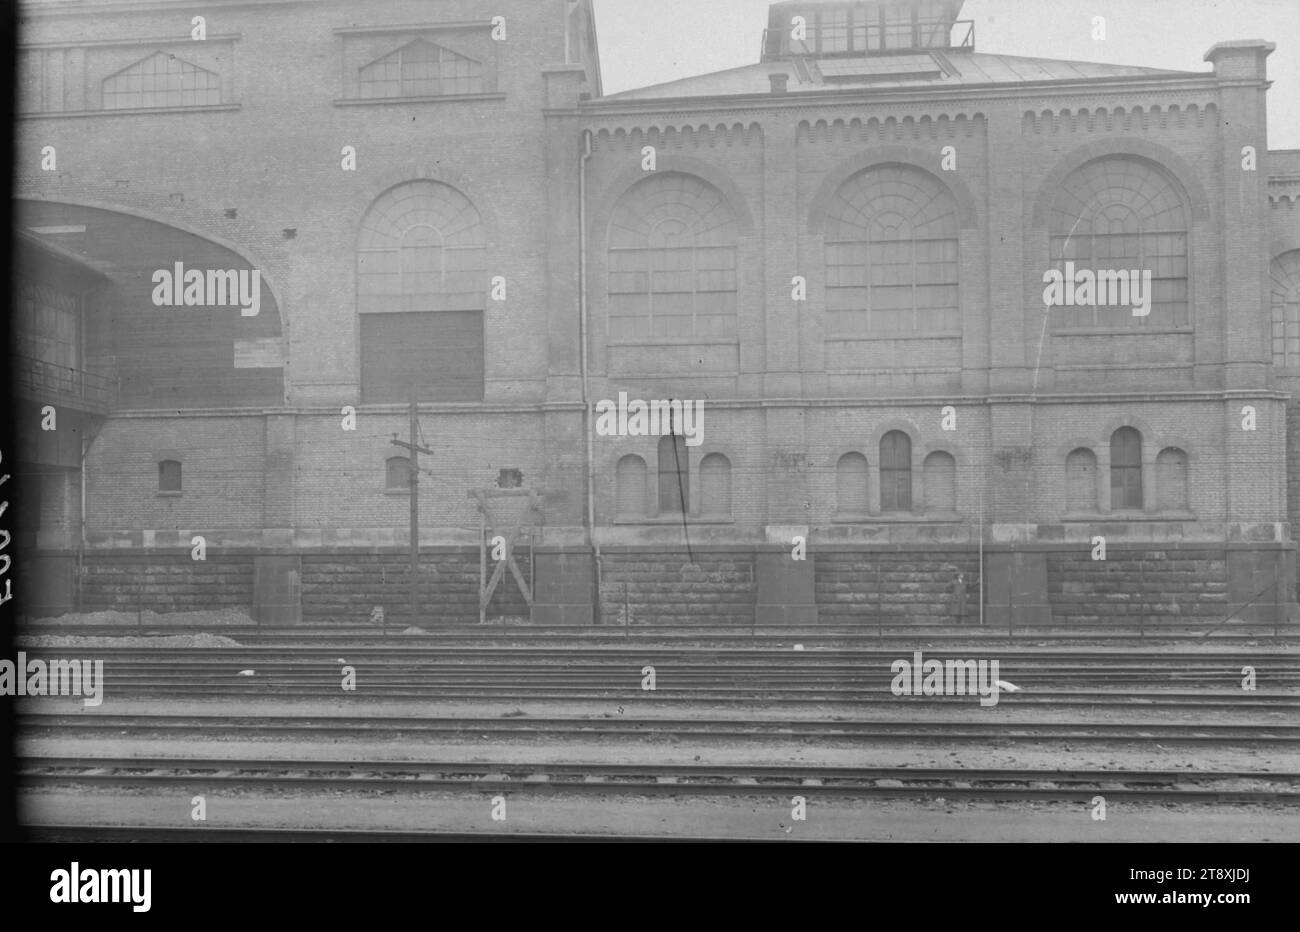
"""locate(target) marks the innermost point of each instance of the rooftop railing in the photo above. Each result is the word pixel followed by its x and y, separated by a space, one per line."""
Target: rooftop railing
pixel 893 37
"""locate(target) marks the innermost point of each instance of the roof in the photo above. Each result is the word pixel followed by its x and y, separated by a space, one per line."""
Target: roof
pixel 916 69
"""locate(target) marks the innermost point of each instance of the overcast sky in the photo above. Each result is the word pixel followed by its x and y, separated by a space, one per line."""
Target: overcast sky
pixel 651 41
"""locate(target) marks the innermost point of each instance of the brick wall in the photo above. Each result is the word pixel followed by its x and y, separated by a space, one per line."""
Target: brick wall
pixel 166 582
pixel 346 585
pixel 895 586
pixel 1138 585
pixel 665 587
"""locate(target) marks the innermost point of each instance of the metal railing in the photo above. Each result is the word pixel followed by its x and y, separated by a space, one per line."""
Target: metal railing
pixel 41 378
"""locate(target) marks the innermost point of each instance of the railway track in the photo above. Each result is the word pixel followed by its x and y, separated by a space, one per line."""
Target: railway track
pixel 203 833
pixel 738 635
pixel 990 785
pixel 529 727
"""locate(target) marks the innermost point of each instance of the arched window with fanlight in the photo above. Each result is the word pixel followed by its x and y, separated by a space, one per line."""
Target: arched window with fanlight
pixel 892 256
pixel 1284 274
pixel 1126 470
pixel 421 290
pixel 1120 214
pixel 895 472
pixel 672 261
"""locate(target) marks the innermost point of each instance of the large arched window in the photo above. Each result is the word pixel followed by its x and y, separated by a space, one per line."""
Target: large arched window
pixel 1081 482
pixel 940 473
pixel 1126 470
pixel 715 485
pixel 672 261
pixel 420 294
pixel 674 475
pixel 891 256
pixel 851 485
pixel 1285 274
pixel 1171 480
pixel 895 472
pixel 1121 214
pixel 629 479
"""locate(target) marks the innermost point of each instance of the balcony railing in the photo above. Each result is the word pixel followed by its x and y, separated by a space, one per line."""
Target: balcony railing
pixel 38 378
pixel 917 36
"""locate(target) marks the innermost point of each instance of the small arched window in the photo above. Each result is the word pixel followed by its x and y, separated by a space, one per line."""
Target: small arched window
pixel 895 472
pixel 851 484
pixel 1081 482
pixel 940 472
pixel 1171 480
pixel 1126 470
pixel 674 475
pixel 629 481
pixel 398 474
pixel 715 485
pixel 169 476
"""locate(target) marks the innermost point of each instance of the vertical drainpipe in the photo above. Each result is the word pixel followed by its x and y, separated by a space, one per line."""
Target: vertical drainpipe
pixel 583 329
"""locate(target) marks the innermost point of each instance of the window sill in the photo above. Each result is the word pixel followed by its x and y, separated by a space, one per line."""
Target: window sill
pixel 1117 331
pixel 1134 516
pixel 937 518
pixel 398 493
pixel 169 494
pixel 675 520
pixel 126 111
pixel 446 98
pixel 676 341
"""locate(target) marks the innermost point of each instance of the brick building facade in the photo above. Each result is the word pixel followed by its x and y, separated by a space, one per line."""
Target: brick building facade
pixel 840 250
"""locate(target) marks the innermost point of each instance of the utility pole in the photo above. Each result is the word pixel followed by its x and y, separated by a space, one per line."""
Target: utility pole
pixel 414 459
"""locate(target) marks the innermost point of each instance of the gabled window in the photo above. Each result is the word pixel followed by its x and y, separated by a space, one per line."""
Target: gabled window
pixel 421 69
pixel 161 80
pixel 169 476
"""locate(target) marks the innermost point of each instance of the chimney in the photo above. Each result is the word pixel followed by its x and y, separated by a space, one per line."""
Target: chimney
pixel 780 80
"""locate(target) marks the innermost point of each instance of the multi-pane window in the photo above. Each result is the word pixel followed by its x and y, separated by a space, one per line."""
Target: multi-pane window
pixel 674 475
pixel 421 289
pixel 161 80
pixel 1285 274
pixel 45 325
pixel 169 476
pixel 672 261
pixel 891 256
pixel 895 472
pixel 1120 214
pixel 865 29
pixel 421 69
pixel 1126 470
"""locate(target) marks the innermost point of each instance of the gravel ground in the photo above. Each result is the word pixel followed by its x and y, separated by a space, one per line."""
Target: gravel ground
pixel 171 640
pixel 216 619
